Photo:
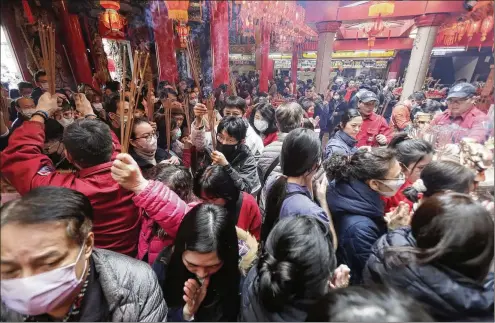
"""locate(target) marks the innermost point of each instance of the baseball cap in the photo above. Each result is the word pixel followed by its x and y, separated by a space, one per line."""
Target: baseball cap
pixel 461 90
pixel 368 96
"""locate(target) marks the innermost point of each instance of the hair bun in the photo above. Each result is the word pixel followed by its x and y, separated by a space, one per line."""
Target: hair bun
pixel 275 281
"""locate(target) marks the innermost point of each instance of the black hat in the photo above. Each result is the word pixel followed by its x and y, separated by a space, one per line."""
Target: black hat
pixel 368 96
pixel 462 90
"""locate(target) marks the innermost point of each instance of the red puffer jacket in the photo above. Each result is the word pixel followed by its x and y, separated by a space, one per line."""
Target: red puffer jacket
pixel 162 206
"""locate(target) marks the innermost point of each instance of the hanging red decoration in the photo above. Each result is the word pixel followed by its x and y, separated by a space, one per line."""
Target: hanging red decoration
pixel 28 12
pixel 374 30
pixel 109 4
pixel 111 23
pixel 183 32
pixel 177 10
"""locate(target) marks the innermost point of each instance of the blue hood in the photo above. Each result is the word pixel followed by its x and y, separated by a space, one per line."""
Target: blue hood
pixel 354 198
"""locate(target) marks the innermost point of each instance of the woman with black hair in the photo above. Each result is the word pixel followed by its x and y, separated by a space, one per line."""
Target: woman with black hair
pixel 295 270
pixel 443 259
pixel 344 140
pixel 441 176
pixel 262 119
pixel 202 275
pixel 214 185
pixel 144 148
pixel 292 194
pixel 413 155
pixel 354 200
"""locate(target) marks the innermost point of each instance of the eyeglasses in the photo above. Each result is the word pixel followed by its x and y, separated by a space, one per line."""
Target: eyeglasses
pixel 148 136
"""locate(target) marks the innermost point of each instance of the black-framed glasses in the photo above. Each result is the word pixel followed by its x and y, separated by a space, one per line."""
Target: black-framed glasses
pixel 148 136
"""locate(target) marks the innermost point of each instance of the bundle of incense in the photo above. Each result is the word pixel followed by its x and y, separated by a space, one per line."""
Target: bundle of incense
pixel 192 62
pixel 151 105
pixel 232 85
pixel 212 121
pixel 47 44
pixel 136 86
pixel 122 98
pixel 167 107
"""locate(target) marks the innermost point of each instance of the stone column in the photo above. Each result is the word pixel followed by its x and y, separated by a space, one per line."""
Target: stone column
pixel 420 55
pixel 326 35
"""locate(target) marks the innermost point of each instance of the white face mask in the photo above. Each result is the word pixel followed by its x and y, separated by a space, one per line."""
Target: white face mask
pixel 28 113
pixel 98 106
pixel 393 184
pixel 45 86
pixel 193 102
pixel 336 97
pixel 261 125
pixel 65 122
pixel 41 293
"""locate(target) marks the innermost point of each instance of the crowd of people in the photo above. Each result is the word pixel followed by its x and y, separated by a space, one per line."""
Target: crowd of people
pixel 320 207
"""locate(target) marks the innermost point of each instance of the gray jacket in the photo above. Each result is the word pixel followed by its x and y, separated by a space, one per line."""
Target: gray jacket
pixel 271 152
pixel 129 286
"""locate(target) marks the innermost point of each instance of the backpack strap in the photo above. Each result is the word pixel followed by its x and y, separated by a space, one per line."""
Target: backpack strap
pixel 263 180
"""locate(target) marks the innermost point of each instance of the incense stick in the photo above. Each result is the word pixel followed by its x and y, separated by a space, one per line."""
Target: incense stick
pixel 150 105
pixel 122 99
pixel 168 121
pixel 194 68
pixel 186 112
pixel 47 44
pixel 211 121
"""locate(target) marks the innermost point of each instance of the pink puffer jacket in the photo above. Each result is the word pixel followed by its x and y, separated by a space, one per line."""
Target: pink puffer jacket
pixel 162 206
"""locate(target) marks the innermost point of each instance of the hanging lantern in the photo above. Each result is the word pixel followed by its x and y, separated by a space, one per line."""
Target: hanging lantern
pixel 111 23
pixel 177 10
pixel 183 32
pixel 486 26
pixel 383 8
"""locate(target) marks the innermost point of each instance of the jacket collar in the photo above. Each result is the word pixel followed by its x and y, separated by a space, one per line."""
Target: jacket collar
pixel 348 140
pixel 371 117
pixel 86 172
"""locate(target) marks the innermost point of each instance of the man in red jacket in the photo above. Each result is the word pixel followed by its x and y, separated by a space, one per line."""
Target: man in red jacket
pixel 462 116
pixel 375 130
pixel 91 147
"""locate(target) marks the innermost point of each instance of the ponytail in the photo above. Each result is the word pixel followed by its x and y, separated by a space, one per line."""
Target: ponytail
pixel 275 282
pixel 274 200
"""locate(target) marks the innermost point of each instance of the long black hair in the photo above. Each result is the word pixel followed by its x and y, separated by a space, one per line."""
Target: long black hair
pixel 214 182
pixel 348 115
pixel 410 151
pixel 267 111
pixel 454 231
pixel 206 228
pixel 296 263
pixel 304 144
pixel 440 176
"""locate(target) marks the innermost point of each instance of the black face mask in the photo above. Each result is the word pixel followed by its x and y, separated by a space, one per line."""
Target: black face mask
pixel 227 150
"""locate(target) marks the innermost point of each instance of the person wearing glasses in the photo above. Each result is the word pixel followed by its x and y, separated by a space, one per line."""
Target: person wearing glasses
pixel 144 146
pixel 463 113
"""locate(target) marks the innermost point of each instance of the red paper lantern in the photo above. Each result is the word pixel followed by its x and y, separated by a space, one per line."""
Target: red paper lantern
pixel 473 29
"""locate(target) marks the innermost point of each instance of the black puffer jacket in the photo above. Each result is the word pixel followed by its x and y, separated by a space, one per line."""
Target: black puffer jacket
pixel 448 295
pixel 252 310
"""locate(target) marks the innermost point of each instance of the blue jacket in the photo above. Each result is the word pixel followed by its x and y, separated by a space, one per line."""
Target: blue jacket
pixel 358 215
pixel 447 295
pixel 298 201
pixel 340 143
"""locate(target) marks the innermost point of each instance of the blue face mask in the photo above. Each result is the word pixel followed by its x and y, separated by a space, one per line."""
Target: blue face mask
pixel 177 135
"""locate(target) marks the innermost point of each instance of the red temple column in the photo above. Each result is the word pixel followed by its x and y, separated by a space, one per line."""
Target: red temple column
pixel 219 33
pixel 265 64
pixel 76 48
pixel 271 65
pixel 164 43
pixel 293 68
